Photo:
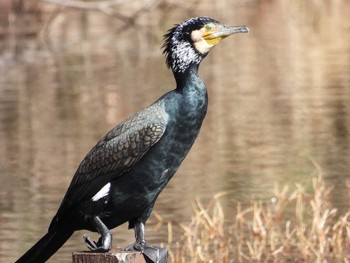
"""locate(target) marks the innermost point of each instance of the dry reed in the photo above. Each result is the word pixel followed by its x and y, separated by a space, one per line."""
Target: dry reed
pixel 296 226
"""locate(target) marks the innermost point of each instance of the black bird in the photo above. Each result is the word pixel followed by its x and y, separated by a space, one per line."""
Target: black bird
pixel 120 179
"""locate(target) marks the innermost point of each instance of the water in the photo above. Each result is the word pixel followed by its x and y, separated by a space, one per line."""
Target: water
pixel 279 99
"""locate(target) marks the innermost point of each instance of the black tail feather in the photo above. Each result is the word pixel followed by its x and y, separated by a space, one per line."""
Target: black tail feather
pixel 46 246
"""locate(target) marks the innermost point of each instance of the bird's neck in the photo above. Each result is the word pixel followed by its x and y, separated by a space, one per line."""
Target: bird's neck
pixel 188 77
pixel 193 91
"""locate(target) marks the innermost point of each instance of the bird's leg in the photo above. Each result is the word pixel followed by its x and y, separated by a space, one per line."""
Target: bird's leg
pixel 140 242
pixel 139 236
pixel 154 254
pixel 104 243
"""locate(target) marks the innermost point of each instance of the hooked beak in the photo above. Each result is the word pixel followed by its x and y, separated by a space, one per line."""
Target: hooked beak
pixel 220 32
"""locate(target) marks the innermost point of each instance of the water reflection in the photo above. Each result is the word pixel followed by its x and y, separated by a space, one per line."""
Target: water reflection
pixel 278 97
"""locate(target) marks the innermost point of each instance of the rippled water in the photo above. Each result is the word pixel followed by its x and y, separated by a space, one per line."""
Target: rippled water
pixel 279 99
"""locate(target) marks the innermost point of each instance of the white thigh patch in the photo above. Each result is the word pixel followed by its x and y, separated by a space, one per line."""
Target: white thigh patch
pixel 102 193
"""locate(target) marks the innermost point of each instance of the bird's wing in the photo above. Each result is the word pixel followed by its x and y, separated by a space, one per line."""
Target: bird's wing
pixel 115 154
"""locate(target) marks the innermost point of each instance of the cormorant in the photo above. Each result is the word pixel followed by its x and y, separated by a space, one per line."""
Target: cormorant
pixel 121 177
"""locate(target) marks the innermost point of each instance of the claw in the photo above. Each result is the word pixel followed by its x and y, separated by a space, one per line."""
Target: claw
pixel 96 246
pixel 90 243
pixel 104 243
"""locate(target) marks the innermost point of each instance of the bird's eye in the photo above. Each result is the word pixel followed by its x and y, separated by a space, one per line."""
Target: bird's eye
pixel 208 27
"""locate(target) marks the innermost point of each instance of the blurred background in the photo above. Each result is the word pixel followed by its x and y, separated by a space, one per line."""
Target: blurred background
pixel 72 69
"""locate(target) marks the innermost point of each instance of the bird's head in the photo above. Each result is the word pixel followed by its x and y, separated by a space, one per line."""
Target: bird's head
pixel 188 43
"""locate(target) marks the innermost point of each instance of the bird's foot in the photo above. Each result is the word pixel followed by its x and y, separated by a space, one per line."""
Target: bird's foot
pixel 154 254
pixel 104 243
pixel 98 246
pixel 137 246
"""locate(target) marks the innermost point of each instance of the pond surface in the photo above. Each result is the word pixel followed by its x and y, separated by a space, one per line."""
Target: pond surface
pixel 279 101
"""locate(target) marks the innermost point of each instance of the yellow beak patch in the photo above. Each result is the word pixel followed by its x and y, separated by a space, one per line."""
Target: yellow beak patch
pixel 209 34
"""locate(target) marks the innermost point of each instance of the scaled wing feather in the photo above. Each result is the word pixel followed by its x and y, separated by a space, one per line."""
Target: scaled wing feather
pixel 114 155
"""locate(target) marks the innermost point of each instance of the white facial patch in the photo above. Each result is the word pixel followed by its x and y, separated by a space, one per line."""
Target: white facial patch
pixel 102 193
pixel 199 42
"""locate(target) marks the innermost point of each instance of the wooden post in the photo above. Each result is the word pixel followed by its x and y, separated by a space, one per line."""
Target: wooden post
pixel 113 256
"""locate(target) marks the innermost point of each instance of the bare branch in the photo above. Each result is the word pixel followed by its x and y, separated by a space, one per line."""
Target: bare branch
pixel 102 5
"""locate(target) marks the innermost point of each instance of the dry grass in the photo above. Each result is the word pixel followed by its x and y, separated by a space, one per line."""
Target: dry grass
pixel 297 226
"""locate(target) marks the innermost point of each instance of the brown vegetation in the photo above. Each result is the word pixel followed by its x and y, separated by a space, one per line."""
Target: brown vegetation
pixel 272 232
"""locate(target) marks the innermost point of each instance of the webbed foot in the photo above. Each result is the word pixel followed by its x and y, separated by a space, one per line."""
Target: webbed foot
pixel 137 246
pixel 152 253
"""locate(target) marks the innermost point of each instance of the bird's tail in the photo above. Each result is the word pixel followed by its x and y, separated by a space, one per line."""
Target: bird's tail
pixel 47 245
